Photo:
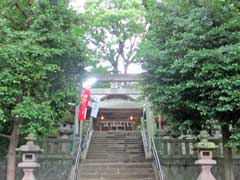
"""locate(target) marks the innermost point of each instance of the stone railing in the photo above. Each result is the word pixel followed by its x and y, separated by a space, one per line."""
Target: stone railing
pixel 178 158
pixel 180 148
pixel 55 146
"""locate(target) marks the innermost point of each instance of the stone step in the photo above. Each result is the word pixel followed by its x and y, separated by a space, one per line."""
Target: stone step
pixel 117 137
pixel 115 160
pixel 127 138
pixel 123 157
pixel 101 170
pixel 116 165
pixel 115 132
pixel 114 144
pixel 100 143
pixel 115 153
pixel 117 148
pixel 118 179
pixel 116 156
pixel 116 141
pixel 115 175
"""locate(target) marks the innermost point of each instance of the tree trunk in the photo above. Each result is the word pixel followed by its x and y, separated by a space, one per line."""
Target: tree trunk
pixel 11 157
pixel 227 155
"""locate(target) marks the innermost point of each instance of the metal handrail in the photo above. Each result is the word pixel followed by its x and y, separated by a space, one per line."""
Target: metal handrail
pixel 87 137
pixel 76 164
pixel 144 136
pixel 157 161
pixel 154 150
pixel 82 146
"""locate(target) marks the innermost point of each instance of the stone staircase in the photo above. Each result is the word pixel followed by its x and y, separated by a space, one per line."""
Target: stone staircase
pixel 116 155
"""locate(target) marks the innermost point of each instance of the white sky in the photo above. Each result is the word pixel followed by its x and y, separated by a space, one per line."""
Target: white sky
pixel 78 5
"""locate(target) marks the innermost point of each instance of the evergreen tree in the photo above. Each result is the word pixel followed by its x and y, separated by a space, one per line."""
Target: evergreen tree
pixel 192 62
pixel 41 51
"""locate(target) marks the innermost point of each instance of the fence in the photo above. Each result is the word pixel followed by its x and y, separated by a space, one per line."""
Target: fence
pixel 183 148
pixel 56 146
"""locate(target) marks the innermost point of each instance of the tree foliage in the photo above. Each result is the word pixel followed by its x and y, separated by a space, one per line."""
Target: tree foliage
pixel 40 55
pixel 41 51
pixel 192 61
pixel 114 30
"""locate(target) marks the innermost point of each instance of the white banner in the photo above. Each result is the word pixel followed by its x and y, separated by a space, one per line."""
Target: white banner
pixel 95 107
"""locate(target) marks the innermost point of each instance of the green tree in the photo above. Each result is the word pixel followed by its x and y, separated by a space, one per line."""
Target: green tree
pixel 41 51
pixel 191 56
pixel 114 29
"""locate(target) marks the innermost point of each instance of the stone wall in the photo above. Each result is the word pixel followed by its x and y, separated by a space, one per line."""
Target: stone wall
pixel 56 161
pixel 177 158
pixel 185 169
pixel 52 168
pixel 57 168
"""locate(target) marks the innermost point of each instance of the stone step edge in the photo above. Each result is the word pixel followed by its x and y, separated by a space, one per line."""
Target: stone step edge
pixel 105 163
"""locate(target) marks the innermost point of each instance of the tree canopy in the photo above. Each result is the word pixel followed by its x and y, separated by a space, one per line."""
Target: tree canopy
pixel 192 62
pixel 41 51
pixel 114 29
pixel 40 55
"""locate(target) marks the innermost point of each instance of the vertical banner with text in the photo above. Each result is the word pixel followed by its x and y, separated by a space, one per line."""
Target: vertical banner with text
pixel 85 99
pixel 95 107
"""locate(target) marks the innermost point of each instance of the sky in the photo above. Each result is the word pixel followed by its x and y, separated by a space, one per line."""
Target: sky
pixel 78 5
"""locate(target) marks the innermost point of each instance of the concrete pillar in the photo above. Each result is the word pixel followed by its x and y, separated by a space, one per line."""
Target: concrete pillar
pixel 150 127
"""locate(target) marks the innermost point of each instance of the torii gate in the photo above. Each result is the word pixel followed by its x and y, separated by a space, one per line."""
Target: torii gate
pixel 125 90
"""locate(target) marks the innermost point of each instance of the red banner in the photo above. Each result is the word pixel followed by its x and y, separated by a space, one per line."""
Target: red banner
pixel 85 99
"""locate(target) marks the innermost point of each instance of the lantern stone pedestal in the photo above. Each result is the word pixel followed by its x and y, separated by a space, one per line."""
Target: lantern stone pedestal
pixel 205 159
pixel 29 158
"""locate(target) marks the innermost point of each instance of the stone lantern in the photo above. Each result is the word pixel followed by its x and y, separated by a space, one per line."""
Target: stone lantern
pixel 65 131
pixel 29 158
pixel 205 161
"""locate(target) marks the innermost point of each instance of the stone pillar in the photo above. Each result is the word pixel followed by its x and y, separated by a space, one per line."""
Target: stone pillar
pixel 29 158
pixel 150 127
pixel 65 133
pixel 205 159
